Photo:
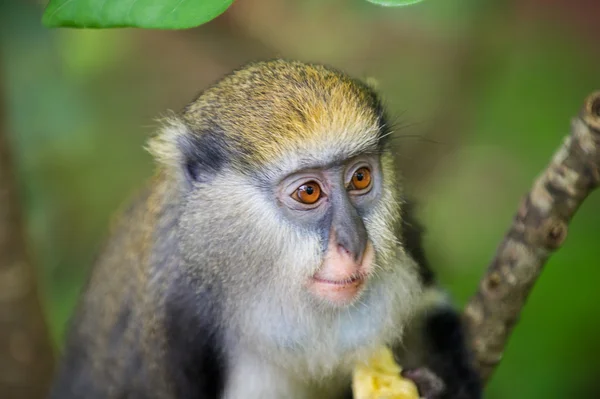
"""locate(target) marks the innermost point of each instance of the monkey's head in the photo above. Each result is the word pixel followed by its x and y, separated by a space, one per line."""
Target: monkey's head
pixel 288 193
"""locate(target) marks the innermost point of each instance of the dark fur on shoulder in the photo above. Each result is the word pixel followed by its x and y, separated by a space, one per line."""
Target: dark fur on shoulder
pixel 194 343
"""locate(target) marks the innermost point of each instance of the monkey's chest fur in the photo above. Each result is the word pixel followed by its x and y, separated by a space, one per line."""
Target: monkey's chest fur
pixel 302 375
pixel 252 377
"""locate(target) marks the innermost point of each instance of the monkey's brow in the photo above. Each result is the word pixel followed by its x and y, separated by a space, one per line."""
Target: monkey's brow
pixel 337 161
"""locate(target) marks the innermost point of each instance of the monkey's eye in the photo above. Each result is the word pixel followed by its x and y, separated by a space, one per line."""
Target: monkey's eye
pixel 361 179
pixel 308 193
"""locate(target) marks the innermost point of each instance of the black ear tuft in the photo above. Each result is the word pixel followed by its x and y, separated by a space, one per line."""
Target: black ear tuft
pixel 192 170
pixel 204 154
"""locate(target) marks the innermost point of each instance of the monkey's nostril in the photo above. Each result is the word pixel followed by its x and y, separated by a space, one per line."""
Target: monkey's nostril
pixel 356 256
pixel 343 249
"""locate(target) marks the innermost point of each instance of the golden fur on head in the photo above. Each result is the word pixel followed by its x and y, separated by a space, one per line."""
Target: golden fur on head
pixel 267 109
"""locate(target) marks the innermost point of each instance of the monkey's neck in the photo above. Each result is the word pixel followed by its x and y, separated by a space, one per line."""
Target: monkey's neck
pixel 253 376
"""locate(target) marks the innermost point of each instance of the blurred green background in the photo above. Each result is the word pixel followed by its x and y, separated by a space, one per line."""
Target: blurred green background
pixel 482 92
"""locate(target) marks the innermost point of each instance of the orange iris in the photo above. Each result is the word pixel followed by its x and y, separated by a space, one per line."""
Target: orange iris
pixel 308 193
pixel 361 179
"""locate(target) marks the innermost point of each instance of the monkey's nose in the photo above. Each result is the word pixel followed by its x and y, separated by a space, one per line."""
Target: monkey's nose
pixel 342 263
pixel 341 277
pixel 355 254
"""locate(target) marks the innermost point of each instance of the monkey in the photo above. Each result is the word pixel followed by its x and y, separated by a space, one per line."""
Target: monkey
pixel 273 249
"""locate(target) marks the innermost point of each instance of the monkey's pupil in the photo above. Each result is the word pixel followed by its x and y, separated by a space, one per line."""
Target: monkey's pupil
pixel 360 176
pixel 310 190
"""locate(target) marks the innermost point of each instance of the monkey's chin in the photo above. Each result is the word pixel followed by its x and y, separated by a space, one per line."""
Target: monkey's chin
pixel 338 293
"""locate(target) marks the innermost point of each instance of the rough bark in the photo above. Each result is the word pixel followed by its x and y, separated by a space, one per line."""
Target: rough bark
pixel 26 356
pixel 538 229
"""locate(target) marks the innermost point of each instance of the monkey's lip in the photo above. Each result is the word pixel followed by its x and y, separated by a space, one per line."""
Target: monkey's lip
pixel 339 292
pixel 354 279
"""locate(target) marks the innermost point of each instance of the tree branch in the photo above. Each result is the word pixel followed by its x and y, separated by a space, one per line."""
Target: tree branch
pixel 539 228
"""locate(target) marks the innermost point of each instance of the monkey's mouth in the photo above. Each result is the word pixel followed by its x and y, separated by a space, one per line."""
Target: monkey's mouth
pixel 339 292
pixel 341 278
pixel 357 278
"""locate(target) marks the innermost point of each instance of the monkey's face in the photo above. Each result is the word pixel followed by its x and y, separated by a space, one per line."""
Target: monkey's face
pixel 333 202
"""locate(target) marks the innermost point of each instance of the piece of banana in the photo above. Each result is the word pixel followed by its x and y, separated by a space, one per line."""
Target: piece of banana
pixel 380 378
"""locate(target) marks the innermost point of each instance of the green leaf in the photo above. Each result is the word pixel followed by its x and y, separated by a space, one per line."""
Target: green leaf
pixel 394 3
pixel 154 14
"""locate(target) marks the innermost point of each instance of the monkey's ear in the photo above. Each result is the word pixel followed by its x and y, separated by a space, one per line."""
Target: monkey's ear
pixel 164 145
pixel 184 153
